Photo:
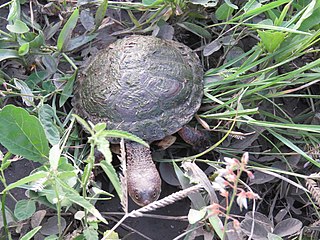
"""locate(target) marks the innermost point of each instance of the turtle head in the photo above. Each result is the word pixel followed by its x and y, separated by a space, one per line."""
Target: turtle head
pixel 144 186
pixel 143 179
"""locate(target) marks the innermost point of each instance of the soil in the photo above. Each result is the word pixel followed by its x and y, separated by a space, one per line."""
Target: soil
pixel 152 227
pixel 171 221
pixel 133 228
pixel 17 170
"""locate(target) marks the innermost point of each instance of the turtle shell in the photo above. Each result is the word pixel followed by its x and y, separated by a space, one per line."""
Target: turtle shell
pixel 141 84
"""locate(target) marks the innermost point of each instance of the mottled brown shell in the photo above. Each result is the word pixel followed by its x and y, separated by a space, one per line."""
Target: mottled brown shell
pixel 141 84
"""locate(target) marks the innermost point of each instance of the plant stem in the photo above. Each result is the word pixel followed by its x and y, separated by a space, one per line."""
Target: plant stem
pixel 4 217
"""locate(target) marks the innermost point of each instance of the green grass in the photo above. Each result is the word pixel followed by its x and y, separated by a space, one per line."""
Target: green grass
pixel 261 96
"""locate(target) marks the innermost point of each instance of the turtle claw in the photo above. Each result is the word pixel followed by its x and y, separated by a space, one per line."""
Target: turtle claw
pixel 198 139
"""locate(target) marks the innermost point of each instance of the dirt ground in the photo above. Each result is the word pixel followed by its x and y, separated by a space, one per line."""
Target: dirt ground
pixel 133 228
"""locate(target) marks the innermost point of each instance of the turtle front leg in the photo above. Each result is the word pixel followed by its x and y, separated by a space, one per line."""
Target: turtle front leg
pixel 199 140
pixel 144 182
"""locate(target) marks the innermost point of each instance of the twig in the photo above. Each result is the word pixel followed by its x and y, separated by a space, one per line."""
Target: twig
pixel 157 216
pixel 123 177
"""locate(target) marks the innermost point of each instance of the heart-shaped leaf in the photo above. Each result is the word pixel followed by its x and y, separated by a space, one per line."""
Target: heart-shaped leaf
pixel 24 209
pixel 287 227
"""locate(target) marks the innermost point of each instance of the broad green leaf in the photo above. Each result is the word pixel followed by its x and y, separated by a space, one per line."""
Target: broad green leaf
pixel 90 233
pixel 100 14
pixel 30 234
pixel 67 29
pixel 67 90
pixel 46 117
pixel 18 27
pixel 22 134
pixel 31 178
pixel 24 209
pixel 224 11
pixel 271 40
pixel 8 54
pixel 23 49
pixel 112 175
pixel 195 216
pixel 196 29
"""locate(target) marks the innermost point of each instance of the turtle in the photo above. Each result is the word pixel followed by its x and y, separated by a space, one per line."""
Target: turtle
pixel 147 86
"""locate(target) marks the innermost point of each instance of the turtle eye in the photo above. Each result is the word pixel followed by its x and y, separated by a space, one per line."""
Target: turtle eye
pixel 136 195
pixel 154 195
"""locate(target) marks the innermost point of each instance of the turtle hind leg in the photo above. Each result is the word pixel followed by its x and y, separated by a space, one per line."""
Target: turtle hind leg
pixel 200 140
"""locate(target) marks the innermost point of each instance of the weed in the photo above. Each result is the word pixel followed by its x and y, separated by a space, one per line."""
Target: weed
pixel 260 102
